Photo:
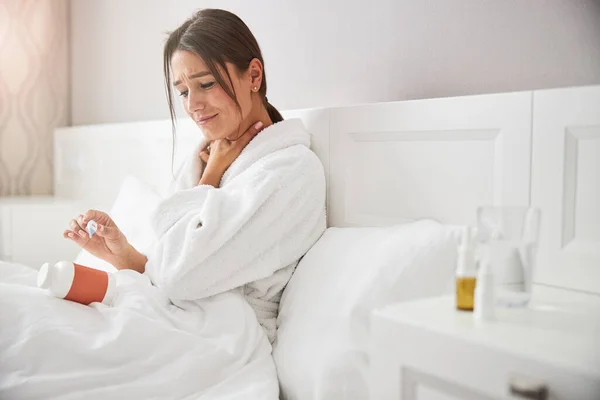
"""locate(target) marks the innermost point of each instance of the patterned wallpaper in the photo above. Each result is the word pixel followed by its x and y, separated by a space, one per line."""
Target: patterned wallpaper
pixel 34 91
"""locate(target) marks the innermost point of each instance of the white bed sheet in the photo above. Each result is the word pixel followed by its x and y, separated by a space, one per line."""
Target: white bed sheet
pixel 142 347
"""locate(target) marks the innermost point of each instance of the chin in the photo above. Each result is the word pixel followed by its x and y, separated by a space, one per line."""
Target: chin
pixel 212 133
pixel 205 132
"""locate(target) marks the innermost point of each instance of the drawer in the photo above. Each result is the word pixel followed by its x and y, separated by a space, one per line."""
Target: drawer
pixel 412 361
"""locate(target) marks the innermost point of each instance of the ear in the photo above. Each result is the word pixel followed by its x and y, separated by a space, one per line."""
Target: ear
pixel 255 74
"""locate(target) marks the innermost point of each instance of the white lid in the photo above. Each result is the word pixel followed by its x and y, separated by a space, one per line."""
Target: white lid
pixel 44 277
pixel 57 278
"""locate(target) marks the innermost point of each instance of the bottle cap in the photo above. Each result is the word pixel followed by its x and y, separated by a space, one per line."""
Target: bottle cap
pixel 466 254
pixel 44 278
pixel 465 237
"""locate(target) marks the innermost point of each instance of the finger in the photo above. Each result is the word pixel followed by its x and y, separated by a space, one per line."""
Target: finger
pixel 78 228
pixel 204 156
pixel 75 227
pixel 82 221
pixel 92 214
pixel 68 234
pixel 249 134
pixel 204 145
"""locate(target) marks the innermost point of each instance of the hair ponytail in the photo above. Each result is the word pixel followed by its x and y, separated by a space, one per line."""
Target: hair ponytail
pixel 274 114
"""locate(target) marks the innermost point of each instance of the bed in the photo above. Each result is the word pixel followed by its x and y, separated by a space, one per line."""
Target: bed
pixel 404 170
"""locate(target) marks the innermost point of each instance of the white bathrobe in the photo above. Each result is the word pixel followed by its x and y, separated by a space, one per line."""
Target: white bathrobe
pixel 250 232
pixel 188 327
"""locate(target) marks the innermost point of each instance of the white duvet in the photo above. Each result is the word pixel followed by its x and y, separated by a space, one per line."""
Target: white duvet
pixel 198 323
pixel 142 347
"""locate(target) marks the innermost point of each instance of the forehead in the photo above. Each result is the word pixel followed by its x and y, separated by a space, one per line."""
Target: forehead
pixel 187 63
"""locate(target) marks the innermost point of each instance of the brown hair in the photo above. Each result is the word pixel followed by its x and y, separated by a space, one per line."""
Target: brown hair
pixel 217 36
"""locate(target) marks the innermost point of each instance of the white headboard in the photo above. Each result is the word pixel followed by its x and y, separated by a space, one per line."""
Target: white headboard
pixel 386 163
pixel 401 161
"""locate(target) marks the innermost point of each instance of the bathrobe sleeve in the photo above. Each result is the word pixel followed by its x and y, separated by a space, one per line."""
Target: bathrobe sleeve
pixel 212 240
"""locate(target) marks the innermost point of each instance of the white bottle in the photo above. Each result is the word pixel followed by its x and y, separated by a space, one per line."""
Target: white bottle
pixel 484 293
pixel 70 281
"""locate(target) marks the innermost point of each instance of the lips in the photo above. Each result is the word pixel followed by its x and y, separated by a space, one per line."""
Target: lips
pixel 205 119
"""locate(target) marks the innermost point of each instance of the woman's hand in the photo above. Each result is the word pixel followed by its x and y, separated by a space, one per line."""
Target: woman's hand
pixel 220 154
pixel 108 243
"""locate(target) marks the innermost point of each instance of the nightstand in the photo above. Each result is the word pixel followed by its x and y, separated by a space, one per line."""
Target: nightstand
pixel 428 350
pixel 31 229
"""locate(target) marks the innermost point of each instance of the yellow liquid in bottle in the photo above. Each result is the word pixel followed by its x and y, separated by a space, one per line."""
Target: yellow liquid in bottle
pixel 465 292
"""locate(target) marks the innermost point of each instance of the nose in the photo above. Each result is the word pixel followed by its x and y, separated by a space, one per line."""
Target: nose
pixel 196 102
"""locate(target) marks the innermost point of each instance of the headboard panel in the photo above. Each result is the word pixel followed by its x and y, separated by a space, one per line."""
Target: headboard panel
pixel 437 158
pixel 91 162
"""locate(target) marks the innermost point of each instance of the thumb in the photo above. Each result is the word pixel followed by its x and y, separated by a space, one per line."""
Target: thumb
pixel 108 232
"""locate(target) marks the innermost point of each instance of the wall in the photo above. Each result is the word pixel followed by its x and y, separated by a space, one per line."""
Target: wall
pixel 323 53
pixel 34 91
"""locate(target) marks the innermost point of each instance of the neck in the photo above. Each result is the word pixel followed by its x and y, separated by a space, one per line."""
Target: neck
pixel 258 113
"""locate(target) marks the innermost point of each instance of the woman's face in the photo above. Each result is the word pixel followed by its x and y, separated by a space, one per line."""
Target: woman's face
pixel 205 101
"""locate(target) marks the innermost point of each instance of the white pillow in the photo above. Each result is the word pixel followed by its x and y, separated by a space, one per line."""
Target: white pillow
pixel 131 211
pixel 324 311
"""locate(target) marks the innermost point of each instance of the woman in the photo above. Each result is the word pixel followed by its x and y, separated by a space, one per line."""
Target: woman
pixel 199 317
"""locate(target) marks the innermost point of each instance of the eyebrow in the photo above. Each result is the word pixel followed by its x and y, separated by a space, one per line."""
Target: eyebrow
pixel 196 75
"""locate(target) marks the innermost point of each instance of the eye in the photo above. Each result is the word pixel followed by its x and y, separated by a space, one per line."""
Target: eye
pixel 207 85
pixel 184 94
